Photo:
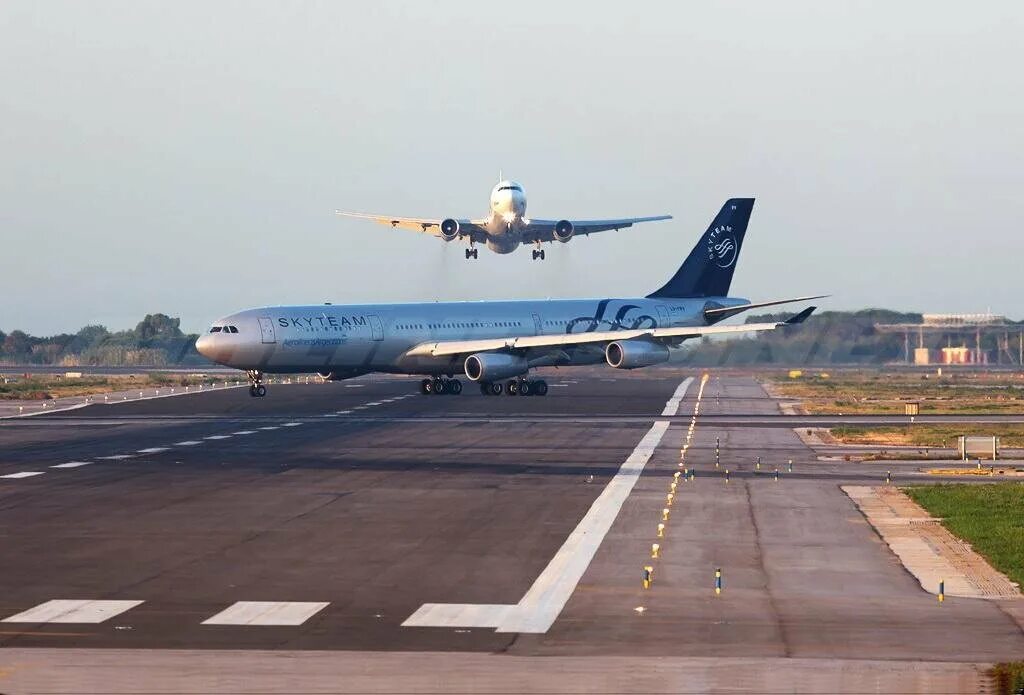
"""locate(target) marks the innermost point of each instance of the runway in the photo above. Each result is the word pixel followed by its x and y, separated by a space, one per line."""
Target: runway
pixel 326 515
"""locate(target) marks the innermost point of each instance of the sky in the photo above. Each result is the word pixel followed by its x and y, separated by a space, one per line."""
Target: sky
pixel 188 157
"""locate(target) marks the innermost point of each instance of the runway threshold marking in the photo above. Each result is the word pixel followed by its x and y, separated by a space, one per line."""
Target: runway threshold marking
pixel 72 611
pixel 545 599
pixel 21 474
pixel 266 613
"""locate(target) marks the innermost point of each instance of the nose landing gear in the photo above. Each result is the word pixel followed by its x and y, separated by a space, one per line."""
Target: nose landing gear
pixel 256 387
pixel 538 253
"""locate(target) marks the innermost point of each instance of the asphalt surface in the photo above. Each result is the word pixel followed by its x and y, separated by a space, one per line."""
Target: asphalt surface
pixel 374 500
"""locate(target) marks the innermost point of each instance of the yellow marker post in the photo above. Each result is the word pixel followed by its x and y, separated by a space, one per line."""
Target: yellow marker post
pixel 661 530
pixel 675 476
pixel 664 514
pixel 655 549
pixel 942 590
pixel 648 576
pixel 668 499
pixel 718 581
pixel 672 487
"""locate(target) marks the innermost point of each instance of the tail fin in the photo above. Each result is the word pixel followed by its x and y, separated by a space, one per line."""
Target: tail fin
pixel 707 271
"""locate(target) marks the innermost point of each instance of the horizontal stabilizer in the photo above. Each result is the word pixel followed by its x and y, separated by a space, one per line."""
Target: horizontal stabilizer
pixel 801 317
pixel 719 313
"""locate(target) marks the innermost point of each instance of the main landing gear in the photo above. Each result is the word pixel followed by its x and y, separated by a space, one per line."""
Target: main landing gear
pixel 440 387
pixel 538 253
pixel 472 253
pixel 256 387
pixel 516 387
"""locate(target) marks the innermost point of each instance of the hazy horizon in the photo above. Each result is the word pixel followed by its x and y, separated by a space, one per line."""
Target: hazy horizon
pixel 187 158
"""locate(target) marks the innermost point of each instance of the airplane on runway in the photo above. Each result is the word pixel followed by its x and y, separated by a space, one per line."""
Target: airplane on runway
pixel 506 225
pixel 496 344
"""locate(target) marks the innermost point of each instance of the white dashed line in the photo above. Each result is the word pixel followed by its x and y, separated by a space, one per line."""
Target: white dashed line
pixel 266 613
pixel 343 412
pixel 154 450
pixel 72 611
pixel 21 474
pixel 72 464
pixel 291 424
pixel 190 442
pixel 354 386
pixel 116 457
pixel 245 432
pixel 218 436
pixel 267 429
pixel 374 403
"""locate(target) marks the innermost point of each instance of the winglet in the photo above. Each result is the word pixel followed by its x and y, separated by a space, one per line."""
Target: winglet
pixel 801 317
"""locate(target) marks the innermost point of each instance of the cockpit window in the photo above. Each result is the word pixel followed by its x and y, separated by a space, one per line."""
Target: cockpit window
pixel 215 329
pixel 510 188
pixel 233 329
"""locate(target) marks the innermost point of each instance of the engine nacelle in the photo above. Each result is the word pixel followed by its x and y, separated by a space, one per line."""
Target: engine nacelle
pixel 492 366
pixel 630 354
pixel 564 230
pixel 449 229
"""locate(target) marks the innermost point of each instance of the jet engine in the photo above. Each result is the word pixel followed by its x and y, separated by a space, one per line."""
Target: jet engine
pixel 630 354
pixel 564 230
pixel 449 229
pixel 492 366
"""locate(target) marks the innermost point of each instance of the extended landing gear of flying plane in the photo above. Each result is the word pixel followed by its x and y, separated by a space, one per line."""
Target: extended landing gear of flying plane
pixel 538 253
pixel 440 387
pixel 256 387
pixel 472 253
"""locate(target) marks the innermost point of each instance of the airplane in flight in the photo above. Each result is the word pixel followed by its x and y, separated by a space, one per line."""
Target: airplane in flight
pixel 496 343
pixel 506 225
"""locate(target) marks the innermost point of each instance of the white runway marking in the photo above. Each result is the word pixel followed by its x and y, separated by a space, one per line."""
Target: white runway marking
pixel 545 599
pixel 72 611
pixel 21 474
pixel 116 457
pixel 190 442
pixel 269 428
pixel 218 436
pixel 354 386
pixel 266 613
pixel 374 403
pixel 245 432
pixel 72 464
pixel 291 424
pixel 672 407
pixel 343 412
pixel 154 450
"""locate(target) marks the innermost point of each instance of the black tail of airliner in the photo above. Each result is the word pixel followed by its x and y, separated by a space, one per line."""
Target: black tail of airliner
pixel 707 271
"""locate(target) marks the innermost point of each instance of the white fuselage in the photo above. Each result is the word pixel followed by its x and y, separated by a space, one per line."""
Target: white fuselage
pixel 506 216
pixel 356 339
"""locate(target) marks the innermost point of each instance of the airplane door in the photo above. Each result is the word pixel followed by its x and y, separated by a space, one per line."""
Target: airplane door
pixel 663 318
pixel 267 330
pixel 538 327
pixel 376 329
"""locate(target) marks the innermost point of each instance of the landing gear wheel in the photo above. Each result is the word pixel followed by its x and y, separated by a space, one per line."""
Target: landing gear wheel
pixel 492 389
pixel 455 387
pixel 512 388
pixel 425 386
pixel 540 388
pixel 256 387
pixel 438 386
pixel 472 253
pixel 542 256
pixel 525 388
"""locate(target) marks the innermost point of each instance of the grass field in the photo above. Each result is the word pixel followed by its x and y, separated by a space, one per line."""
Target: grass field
pixel 989 517
pixel 880 392
pixel 46 386
pixel 928 435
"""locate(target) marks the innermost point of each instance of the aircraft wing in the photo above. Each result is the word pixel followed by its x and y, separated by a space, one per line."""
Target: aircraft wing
pixel 544 230
pixel 471 228
pixel 466 347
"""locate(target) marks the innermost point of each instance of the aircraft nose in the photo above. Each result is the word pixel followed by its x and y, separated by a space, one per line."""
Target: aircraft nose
pixel 204 346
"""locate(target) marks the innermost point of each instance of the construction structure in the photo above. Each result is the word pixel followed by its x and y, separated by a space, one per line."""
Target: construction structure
pixel 960 339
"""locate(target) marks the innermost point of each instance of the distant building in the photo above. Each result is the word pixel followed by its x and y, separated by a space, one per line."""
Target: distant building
pixel 987 327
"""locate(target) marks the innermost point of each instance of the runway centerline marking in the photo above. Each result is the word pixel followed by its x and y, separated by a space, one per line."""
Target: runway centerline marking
pixel 218 436
pixel 72 464
pixel 291 424
pixel 545 599
pixel 190 442
pixel 22 474
pixel 267 429
pixel 245 432
pixel 116 457
pixel 266 613
pixel 153 450
pixel 72 611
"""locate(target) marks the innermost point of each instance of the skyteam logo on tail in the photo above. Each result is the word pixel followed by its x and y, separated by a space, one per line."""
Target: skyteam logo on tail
pixel 722 246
